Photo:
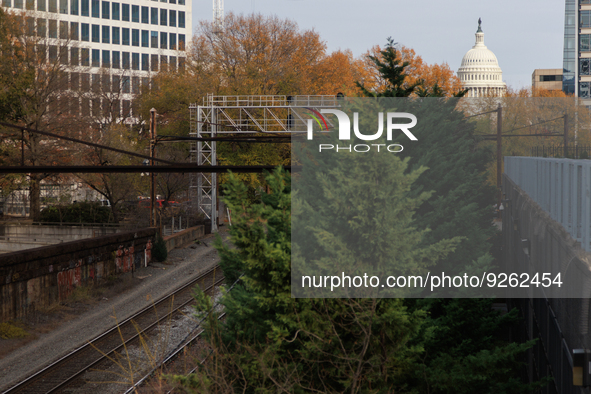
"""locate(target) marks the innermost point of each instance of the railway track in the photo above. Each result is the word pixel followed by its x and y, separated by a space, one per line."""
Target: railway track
pixel 172 356
pixel 103 351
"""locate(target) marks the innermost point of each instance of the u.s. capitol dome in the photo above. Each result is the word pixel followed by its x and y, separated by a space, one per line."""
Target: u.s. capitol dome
pixel 480 72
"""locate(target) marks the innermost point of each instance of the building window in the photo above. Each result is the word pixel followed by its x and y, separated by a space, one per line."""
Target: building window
pixel 172 63
pixel 116 59
pixel 135 85
pixel 106 59
pixel 19 4
pixel 96 58
pixel 584 43
pixel 182 2
pixel 63 6
pixel 52 53
pixel 145 62
pixel 85 57
pixel 135 37
pixel 85 33
pixel 75 81
pixel 163 14
pixel 163 40
pixel 115 11
pixel 172 18
pixel 96 12
pixel 106 11
pixel 106 82
pixel 154 39
pixel 125 12
pixel 74 31
pixel 116 85
pixel 154 61
pixel 63 30
pixel 551 78
pixel 63 55
pixel 172 1
pixel 154 16
pixel 106 35
pixel 182 19
pixel 181 42
pixel 145 38
pixel 585 19
pixel 125 60
pixel 30 23
pixel 126 108
pixel 30 5
pixel 74 7
pixel 135 61
pixel 181 64
pixel 41 27
pixel 172 40
pixel 135 13
pixel 52 5
pixel 125 84
pixel 145 15
pixel 84 8
pixel 96 33
pixel 163 63
pixel 125 36
pixel 115 35
pixel 40 5
pixel 52 28
pixel 584 66
pixel 74 56
pixel 584 90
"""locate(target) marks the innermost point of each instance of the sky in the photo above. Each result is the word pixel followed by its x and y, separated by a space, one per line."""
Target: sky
pixel 523 34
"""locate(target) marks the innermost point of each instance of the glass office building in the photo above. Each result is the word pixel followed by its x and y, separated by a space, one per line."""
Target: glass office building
pixel 577 48
pixel 569 55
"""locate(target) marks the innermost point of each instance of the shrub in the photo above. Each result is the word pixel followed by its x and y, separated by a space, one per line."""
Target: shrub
pixel 9 330
pixel 82 212
pixel 159 252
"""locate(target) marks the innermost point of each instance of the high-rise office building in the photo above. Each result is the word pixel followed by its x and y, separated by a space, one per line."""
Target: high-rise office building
pixel 577 49
pixel 113 44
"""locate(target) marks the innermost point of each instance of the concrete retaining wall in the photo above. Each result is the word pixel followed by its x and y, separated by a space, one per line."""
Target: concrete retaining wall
pixel 44 275
pixel 15 237
pixel 184 237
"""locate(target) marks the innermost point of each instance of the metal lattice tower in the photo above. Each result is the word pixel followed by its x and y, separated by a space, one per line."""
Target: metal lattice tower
pixel 218 16
pixel 242 115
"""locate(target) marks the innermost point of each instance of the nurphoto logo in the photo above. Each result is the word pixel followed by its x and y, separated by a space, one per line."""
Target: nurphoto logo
pixel 345 131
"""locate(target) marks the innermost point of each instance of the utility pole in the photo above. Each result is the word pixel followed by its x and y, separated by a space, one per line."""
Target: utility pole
pixel 152 155
pixel 499 154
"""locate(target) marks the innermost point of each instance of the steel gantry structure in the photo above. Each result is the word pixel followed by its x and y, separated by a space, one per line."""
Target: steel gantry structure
pixel 269 114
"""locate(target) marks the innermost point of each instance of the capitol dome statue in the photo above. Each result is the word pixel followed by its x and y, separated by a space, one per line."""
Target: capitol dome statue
pixel 480 72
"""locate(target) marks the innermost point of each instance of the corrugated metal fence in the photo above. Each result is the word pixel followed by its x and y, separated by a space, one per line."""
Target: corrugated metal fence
pixel 562 187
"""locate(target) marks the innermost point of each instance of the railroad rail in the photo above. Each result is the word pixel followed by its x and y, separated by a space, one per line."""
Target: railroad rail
pixel 99 354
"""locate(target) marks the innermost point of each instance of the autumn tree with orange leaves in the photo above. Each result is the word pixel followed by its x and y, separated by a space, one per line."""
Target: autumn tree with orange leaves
pixel 419 76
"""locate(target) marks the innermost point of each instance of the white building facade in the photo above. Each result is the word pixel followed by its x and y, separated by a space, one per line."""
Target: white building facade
pixel 115 44
pixel 480 72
